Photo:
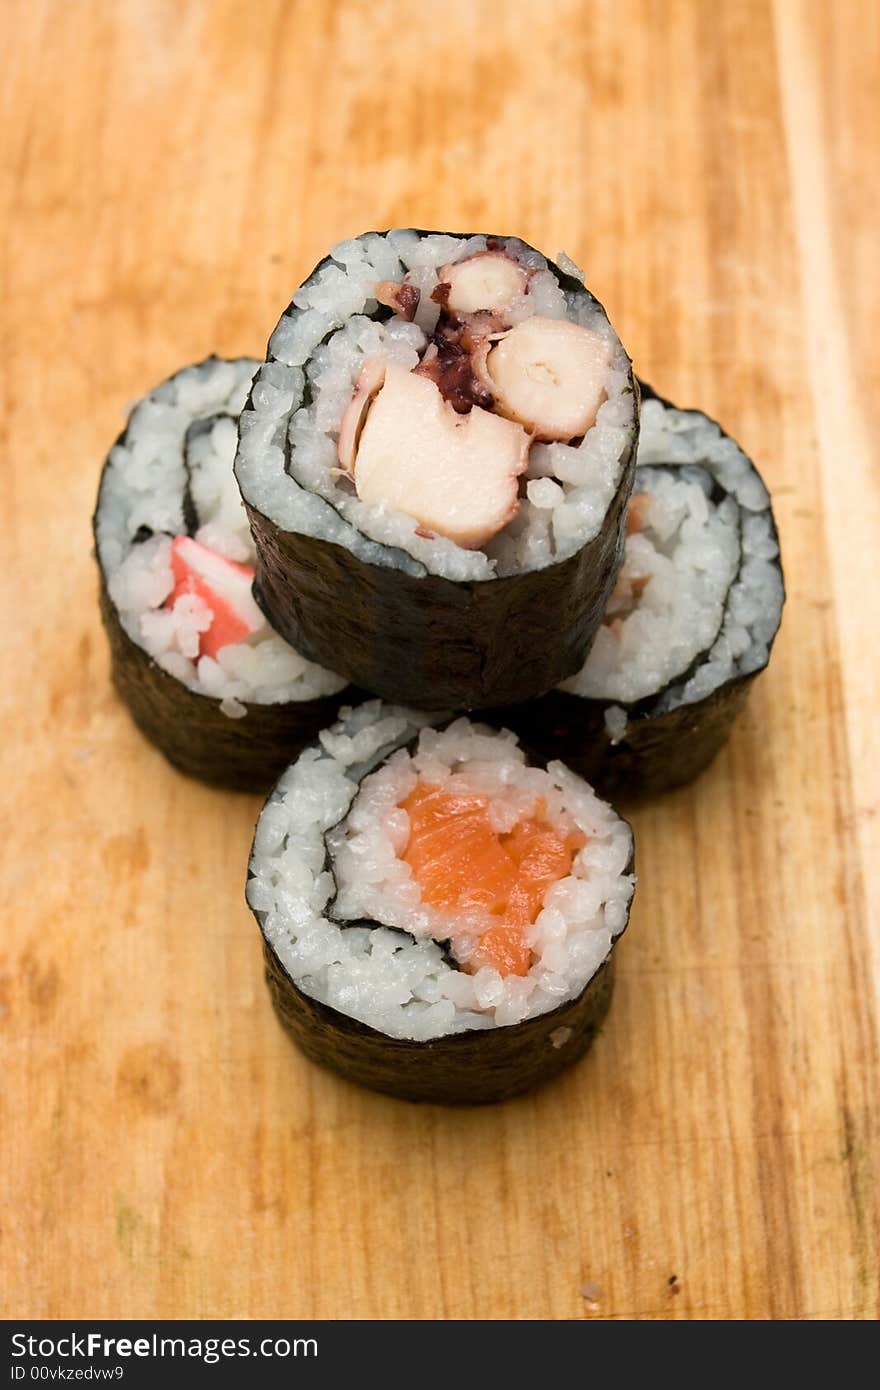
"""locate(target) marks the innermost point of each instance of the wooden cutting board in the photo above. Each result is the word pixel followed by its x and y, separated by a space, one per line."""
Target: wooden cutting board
pixel 173 172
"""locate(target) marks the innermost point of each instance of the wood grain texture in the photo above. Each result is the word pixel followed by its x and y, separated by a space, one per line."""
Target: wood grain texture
pixel 172 170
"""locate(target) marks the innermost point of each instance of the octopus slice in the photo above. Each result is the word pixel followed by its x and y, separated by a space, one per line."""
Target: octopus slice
pixel 487 282
pixel 457 475
pixel 370 381
pixel 400 296
pixel 549 376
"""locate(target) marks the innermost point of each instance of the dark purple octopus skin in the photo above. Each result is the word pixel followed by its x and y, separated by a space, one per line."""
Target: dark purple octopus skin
pixel 452 372
pixel 431 642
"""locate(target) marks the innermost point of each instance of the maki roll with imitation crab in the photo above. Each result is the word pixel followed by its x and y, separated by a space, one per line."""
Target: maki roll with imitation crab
pixel 438 913
pixel 690 623
pixel 193 657
pixel 435 459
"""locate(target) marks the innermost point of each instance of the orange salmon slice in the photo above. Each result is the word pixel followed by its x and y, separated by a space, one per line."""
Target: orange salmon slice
pixel 462 864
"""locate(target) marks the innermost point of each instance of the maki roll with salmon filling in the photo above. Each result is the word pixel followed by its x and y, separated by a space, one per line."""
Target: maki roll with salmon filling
pixel 435 456
pixel 438 915
pixel 690 623
pixel 193 657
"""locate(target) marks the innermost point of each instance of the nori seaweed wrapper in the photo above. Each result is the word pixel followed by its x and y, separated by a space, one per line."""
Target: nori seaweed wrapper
pixel 476 1067
pixel 659 750
pixel 431 642
pixel 247 753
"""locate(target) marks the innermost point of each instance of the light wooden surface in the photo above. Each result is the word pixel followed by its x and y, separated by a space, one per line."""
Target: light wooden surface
pixel 172 171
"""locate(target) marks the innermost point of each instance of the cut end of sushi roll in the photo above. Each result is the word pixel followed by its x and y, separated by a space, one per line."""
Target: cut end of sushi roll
pixel 419 882
pixel 437 413
pixel 689 624
pixel 202 672
pixel 699 597
pixel 497 329
pixel 445 441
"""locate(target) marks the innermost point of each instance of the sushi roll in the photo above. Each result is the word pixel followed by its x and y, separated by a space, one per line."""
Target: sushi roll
pixel 435 457
pixel 690 624
pixel 438 914
pixel 194 659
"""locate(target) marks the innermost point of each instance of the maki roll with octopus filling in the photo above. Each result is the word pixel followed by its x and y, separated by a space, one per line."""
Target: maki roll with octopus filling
pixel 193 657
pixel 691 621
pixel 435 457
pixel 438 914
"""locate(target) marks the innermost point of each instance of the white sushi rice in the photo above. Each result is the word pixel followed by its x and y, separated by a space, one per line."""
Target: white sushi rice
pixel 714 585
pixel 326 851
pixel 686 557
pixel 144 486
pixel 315 356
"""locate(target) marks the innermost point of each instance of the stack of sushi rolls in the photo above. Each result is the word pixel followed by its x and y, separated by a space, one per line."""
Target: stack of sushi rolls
pixel 193 658
pixel 442 563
